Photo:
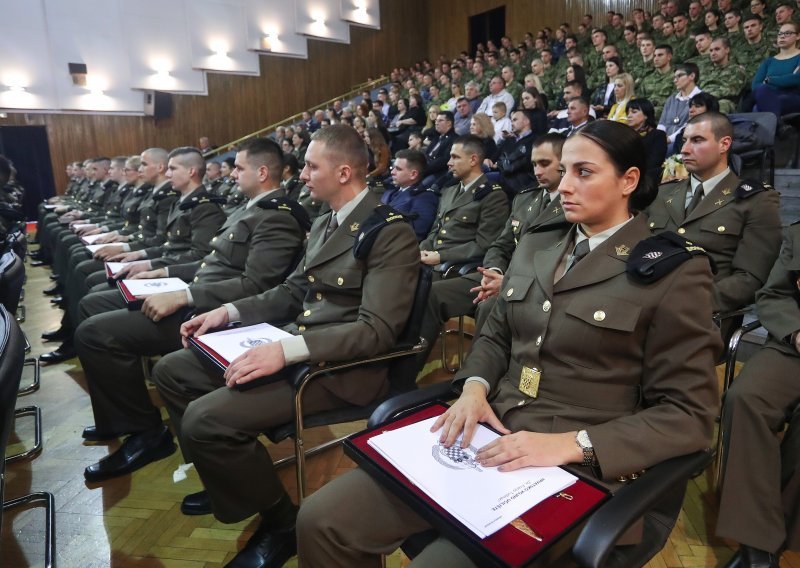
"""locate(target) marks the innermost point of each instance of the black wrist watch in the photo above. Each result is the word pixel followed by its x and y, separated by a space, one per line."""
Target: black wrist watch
pixel 585 444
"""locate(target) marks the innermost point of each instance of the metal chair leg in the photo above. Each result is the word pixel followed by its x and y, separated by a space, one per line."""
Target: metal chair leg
pixel 50 520
pixel 34 386
pixel 36 412
pixel 461 335
pixel 20 314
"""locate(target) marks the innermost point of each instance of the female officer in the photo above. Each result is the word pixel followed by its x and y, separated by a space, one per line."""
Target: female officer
pixel 598 355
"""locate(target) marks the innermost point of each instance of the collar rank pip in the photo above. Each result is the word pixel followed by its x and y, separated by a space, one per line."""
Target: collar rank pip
pixel 655 257
pixel 382 216
pixel 289 206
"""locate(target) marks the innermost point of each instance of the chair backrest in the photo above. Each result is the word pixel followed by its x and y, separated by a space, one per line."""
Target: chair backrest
pixel 402 377
pixel 753 131
pixel 12 277
pixel 12 355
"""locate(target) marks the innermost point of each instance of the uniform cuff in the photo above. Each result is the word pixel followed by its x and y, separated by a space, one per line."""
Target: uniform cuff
pixel 126 247
pixel 480 380
pixel 233 313
pixel 190 299
pixel 295 349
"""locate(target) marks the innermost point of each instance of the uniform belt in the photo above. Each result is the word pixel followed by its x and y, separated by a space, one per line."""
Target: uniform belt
pixel 582 392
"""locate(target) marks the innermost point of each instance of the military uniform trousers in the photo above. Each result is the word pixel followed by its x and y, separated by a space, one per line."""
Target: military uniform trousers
pixel 369 521
pixel 110 346
pixel 218 429
pixel 755 408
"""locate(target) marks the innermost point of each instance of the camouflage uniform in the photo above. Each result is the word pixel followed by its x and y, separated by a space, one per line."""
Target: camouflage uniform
pixel 639 69
pixel 751 55
pixel 657 87
pixel 724 82
pixel 683 49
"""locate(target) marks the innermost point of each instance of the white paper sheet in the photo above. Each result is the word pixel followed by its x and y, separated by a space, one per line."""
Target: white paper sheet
pixel 147 287
pixel 94 248
pixel 482 498
pixel 78 226
pixel 90 239
pixel 115 267
pixel 233 342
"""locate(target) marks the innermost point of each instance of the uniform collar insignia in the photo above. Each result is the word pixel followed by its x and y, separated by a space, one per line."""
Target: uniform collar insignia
pixel 622 250
pixel 354 227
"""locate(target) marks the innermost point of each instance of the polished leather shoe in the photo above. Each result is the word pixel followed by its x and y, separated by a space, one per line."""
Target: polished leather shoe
pixel 196 504
pixel 57 300
pixel 756 558
pixel 266 549
pixel 53 290
pixel 91 434
pixel 54 277
pixel 39 263
pixel 64 352
pixel 59 334
pixel 136 451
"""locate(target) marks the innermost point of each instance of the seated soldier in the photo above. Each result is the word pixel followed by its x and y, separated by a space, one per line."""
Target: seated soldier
pixel 735 221
pixel 752 510
pixel 537 212
pixel 723 78
pixel 658 85
pixel 253 251
pixel 408 196
pixel 342 301
pixel 471 213
pixel 626 380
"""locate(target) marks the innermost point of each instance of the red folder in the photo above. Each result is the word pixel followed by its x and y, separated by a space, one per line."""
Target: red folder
pixel 557 520
pixel 208 354
pixel 132 302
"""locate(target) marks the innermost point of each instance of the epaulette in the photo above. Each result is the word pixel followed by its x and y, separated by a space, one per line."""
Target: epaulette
pixel 199 200
pixel 485 189
pixel 748 188
pixel 290 206
pixel 655 257
pixel 164 193
pixel 382 215
pixel 529 189
pixel 417 189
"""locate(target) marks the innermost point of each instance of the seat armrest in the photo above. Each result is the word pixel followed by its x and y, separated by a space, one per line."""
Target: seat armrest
pixel 468 268
pixel 632 502
pixel 719 317
pixel 452 268
pixel 401 403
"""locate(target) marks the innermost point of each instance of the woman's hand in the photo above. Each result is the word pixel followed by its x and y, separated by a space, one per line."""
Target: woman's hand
pixel 527 449
pixel 470 408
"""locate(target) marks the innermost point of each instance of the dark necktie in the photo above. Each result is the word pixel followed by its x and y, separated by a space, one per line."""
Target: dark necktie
pixel 334 222
pixel 696 198
pixel 545 201
pixel 581 250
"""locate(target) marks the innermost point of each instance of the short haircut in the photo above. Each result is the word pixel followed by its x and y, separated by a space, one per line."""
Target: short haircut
pixel 103 161
pixel 723 40
pixel 690 69
pixel 190 157
pixel 472 145
pixel 751 16
pixel 720 124
pixel 157 155
pixel 665 46
pixel 500 105
pixel 735 12
pixel 344 145
pixel 555 140
pixel 264 152
pixel 290 161
pixel 134 162
pixel 448 116
pixel 581 101
pixel 119 161
pixel 416 159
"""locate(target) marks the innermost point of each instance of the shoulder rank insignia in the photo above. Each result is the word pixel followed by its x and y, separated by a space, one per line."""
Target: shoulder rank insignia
pixel 485 189
pixel 528 189
pixel 748 188
pixel 382 216
pixel 289 206
pixel 655 257
pixel 200 200
pixel 163 193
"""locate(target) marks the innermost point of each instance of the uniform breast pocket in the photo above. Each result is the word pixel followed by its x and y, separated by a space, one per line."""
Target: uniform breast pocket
pixel 597 330
pixel 723 226
pixel 344 281
pixel 469 218
pixel 658 223
pixel 234 245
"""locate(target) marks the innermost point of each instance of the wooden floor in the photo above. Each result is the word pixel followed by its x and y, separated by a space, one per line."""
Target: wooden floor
pixel 135 522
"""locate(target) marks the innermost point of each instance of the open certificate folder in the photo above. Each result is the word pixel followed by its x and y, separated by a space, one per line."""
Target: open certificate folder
pixel 482 498
pixel 222 347
pixel 133 290
pixel 112 268
pixel 90 239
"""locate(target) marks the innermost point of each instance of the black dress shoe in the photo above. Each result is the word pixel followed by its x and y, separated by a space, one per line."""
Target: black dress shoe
pixel 196 504
pixel 90 434
pixel 57 300
pixel 39 263
pixel 756 558
pixel 54 277
pixel 65 351
pixel 59 334
pixel 53 290
pixel 266 549
pixel 136 451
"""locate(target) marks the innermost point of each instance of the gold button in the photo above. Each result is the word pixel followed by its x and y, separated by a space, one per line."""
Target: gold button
pixel 681 231
pixel 538 340
pixel 439 242
pixel 444 231
pixel 311 278
pixel 178 232
pixel 652 224
pixel 546 306
pixel 340 281
pixel 510 292
pixel 213 252
pixel 196 278
pixel 301 328
pixel 599 315
pixel 319 296
pixel 464 218
pixel 230 236
pixel 141 226
pixel 721 228
pixel 202 265
pixel 214 239
pixel 447 218
pixel 307 313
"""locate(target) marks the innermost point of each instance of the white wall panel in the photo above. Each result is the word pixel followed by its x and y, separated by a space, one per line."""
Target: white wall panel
pixel 159 50
pixel 321 19
pixel 365 13
pixel 218 40
pixel 25 69
pixel 90 32
pixel 272 28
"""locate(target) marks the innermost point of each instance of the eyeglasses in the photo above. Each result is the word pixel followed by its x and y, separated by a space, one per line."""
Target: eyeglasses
pixel 679 75
pixel 786 34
